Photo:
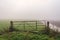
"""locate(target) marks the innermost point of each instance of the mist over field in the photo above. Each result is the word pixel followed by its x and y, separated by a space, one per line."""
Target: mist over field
pixel 30 9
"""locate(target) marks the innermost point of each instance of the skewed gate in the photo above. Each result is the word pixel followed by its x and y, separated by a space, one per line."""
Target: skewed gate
pixel 26 26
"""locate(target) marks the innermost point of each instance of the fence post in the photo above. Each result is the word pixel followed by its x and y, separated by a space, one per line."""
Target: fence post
pixel 47 28
pixel 11 26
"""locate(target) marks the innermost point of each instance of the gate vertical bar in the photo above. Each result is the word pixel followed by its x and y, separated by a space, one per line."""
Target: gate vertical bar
pixel 36 25
pixel 24 25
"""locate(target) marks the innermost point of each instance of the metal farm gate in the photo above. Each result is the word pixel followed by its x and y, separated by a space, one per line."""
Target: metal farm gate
pixel 26 25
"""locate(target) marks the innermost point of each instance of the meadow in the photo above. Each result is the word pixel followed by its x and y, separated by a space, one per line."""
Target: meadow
pixel 26 31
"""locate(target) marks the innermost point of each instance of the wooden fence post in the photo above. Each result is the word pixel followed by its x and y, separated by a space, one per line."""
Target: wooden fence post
pixel 11 26
pixel 47 28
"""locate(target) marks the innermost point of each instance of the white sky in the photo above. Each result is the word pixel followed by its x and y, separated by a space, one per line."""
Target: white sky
pixel 30 9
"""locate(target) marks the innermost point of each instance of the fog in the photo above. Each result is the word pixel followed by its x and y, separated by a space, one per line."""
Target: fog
pixel 30 9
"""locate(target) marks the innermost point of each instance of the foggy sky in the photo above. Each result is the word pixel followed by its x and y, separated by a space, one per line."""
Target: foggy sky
pixel 30 9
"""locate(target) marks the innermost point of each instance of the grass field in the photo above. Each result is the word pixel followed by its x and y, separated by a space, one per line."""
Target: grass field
pixel 15 35
pixel 4 25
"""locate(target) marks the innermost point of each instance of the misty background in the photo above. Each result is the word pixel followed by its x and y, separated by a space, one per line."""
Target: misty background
pixel 30 9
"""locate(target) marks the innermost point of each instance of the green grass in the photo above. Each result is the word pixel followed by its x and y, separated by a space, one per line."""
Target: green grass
pixel 4 25
pixel 24 36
